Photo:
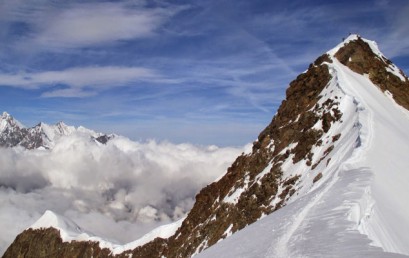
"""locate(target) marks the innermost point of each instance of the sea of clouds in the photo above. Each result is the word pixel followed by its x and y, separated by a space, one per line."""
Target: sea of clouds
pixel 118 191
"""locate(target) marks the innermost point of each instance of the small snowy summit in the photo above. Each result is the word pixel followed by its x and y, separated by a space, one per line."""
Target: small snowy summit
pixel 66 227
pixel 328 177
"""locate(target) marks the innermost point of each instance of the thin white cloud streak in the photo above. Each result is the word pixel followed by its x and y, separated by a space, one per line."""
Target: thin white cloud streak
pixel 122 186
pixel 97 78
pixel 88 25
pixel 69 93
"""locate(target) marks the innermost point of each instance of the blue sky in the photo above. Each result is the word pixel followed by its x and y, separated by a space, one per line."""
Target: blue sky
pixel 205 72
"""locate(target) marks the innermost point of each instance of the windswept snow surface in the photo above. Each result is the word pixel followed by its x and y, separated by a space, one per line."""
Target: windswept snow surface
pixel 360 207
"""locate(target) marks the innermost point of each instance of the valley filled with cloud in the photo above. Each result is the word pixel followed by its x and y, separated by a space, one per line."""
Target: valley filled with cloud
pixel 118 191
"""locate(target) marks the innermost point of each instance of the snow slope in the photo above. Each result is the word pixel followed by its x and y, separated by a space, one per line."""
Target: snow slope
pixel 360 207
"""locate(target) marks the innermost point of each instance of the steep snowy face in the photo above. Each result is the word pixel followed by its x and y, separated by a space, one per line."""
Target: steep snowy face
pixel 317 128
pixel 356 209
pixel 320 132
pixel 41 136
pixel 305 139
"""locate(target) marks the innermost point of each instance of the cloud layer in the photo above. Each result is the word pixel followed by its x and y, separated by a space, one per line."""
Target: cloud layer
pixel 119 190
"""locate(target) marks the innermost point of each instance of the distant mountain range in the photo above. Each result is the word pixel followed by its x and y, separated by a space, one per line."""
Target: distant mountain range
pixel 41 136
pixel 328 177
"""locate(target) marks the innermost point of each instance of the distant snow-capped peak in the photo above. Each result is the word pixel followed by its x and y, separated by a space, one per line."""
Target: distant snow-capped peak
pixel 42 136
pixel 7 121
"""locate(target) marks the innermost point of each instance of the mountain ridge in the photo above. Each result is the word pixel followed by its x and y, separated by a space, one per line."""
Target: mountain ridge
pixel 316 128
pixel 41 136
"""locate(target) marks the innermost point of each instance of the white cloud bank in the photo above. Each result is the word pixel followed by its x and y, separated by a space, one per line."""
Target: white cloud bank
pixel 118 191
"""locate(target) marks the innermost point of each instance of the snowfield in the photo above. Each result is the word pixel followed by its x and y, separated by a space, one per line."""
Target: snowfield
pixel 360 207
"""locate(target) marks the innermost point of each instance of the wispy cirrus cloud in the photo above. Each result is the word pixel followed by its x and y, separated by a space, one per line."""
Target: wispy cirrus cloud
pixel 88 25
pixel 48 25
pixel 69 93
pixel 76 79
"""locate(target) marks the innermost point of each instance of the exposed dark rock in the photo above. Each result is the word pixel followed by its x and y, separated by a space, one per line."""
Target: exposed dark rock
pixel 317 177
pixel 103 138
pixel 336 137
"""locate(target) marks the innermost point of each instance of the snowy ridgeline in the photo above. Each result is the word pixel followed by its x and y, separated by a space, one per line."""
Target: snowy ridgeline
pixel 69 231
pixel 359 208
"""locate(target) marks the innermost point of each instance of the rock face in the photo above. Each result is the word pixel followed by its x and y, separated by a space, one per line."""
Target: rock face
pixel 13 133
pixel 287 159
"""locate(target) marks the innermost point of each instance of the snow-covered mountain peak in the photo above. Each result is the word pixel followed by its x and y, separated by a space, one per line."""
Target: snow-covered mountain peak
pixel 5 115
pixel 363 55
pixel 64 129
pixel 7 121
pixel 51 219
pixel 41 136
pixel 354 37
pixel 11 130
pixel 354 207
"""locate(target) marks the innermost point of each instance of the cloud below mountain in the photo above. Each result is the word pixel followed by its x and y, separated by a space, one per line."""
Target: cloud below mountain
pixel 119 190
